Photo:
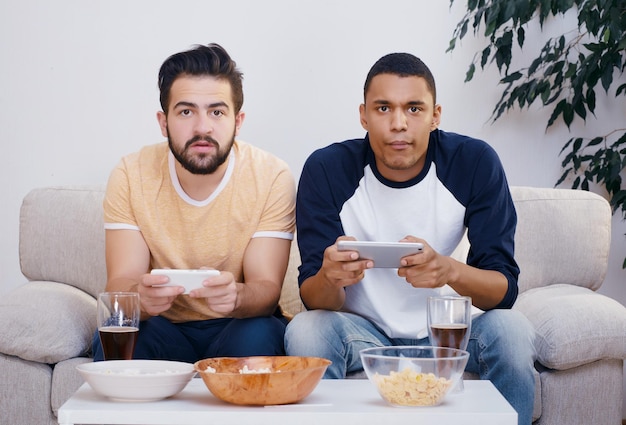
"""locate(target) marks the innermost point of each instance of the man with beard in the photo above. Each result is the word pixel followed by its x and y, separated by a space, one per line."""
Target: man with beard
pixel 201 200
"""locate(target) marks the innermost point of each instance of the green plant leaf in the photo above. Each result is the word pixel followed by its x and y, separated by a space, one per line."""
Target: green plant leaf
pixel 568 158
pixel 503 50
pixel 568 114
pixel 577 144
pixel 591 100
pixel 596 141
pixel 579 108
pixel 485 56
pixel 571 71
pixel 565 146
pixel 563 176
pixel 607 78
pixel 619 199
pixel 470 73
pixel 558 110
pixel 521 36
pixel 451 45
pixel 512 77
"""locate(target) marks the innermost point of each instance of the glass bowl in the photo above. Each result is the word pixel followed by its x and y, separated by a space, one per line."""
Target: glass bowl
pixel 413 375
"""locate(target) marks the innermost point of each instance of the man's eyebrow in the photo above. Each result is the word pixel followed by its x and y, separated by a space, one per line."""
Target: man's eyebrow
pixel 411 102
pixel 186 104
pixel 220 104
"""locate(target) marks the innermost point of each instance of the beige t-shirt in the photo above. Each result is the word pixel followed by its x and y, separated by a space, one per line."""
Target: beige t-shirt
pixel 256 198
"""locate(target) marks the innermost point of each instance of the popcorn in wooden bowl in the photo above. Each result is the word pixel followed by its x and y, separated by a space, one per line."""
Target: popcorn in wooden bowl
pixel 261 380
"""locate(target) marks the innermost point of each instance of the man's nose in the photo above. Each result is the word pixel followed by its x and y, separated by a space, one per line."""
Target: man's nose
pixel 203 125
pixel 399 121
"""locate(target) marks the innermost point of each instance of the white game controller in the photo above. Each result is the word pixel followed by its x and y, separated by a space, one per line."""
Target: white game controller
pixel 190 279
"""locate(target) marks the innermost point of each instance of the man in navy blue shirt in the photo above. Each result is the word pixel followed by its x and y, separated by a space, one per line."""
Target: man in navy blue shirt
pixel 409 181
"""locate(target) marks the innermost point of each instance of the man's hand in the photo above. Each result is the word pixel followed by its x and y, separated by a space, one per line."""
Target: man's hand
pixel 428 269
pixel 343 268
pixel 155 299
pixel 220 292
pixel 339 269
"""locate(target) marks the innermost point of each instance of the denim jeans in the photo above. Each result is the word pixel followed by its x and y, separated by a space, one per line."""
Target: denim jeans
pixel 501 348
pixel 192 341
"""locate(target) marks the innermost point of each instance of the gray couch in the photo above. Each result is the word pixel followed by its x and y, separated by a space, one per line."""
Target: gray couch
pixel 562 245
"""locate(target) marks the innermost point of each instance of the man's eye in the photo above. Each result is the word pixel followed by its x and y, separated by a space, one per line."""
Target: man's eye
pixel 383 108
pixel 414 109
pixel 185 112
pixel 218 113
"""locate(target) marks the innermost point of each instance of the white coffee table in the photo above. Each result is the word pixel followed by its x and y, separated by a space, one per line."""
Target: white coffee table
pixel 342 402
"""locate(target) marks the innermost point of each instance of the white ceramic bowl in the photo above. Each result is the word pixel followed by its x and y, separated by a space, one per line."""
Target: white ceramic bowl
pixel 137 380
pixel 413 375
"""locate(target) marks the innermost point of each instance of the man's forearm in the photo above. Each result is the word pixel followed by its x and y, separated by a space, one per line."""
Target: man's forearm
pixel 256 299
pixel 318 293
pixel 486 287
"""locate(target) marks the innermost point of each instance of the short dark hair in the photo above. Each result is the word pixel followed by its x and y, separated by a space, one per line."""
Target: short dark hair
pixel 201 60
pixel 403 65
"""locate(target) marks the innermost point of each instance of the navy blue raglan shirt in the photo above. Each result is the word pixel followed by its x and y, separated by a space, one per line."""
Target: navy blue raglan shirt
pixel 461 187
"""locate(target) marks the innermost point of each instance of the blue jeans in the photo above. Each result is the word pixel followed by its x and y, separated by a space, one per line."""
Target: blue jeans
pixel 501 348
pixel 160 339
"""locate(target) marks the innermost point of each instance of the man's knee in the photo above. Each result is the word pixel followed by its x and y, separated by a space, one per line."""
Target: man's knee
pixel 307 331
pixel 510 330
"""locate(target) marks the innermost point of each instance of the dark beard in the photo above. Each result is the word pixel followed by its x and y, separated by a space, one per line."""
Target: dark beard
pixel 203 164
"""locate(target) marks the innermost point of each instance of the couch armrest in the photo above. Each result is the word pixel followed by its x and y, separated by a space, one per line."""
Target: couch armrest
pixel 47 322
pixel 574 325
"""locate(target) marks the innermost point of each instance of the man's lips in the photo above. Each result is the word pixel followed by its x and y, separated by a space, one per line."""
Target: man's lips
pixel 399 144
pixel 202 145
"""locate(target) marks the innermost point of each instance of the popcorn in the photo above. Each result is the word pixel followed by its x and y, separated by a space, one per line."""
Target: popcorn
pixel 245 370
pixel 262 370
pixel 409 388
pixel 136 372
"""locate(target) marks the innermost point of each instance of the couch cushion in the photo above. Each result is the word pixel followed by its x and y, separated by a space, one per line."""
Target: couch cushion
pixel 62 236
pixel 25 392
pixel 562 236
pixel 65 381
pixel 574 325
pixel 49 322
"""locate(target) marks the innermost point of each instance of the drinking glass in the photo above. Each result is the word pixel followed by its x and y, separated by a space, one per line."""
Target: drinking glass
pixel 118 324
pixel 449 323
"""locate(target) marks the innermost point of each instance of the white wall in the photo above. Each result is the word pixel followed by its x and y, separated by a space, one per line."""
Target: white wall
pixel 78 88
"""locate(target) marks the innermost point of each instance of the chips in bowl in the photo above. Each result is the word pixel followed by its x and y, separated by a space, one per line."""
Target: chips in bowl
pixel 414 375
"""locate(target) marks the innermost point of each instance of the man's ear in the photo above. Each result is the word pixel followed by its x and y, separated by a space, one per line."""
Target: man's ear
pixel 239 121
pixel 362 116
pixel 436 118
pixel 162 119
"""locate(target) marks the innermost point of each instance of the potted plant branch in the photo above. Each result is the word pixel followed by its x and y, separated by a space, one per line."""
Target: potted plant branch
pixel 566 76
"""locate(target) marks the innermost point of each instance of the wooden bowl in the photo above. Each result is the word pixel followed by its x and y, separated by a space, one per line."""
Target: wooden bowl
pixel 261 380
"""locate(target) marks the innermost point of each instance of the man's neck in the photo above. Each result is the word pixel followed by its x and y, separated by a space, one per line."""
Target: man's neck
pixel 200 186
